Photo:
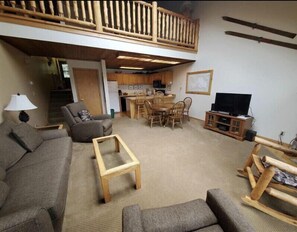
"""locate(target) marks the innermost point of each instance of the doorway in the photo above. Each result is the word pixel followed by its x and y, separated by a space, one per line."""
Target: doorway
pixel 88 89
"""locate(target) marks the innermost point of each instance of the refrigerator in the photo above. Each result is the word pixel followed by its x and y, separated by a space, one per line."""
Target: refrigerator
pixel 113 95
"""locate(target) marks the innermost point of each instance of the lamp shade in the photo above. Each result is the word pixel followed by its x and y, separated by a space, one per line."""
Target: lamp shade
pixel 19 102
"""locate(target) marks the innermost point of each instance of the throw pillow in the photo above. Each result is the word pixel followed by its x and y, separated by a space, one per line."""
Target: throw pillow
pixel 4 189
pixel 27 136
pixel 85 115
pixel 10 150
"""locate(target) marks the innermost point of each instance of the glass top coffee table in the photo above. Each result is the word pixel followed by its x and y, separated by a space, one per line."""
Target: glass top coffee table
pixel 107 173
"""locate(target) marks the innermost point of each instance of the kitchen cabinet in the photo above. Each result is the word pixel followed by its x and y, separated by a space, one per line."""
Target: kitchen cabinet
pixel 141 79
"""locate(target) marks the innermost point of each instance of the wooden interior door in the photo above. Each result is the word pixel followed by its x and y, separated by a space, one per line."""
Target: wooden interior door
pixel 88 89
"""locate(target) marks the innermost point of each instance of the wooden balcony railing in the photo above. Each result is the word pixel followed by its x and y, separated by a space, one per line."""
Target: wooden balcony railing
pixel 129 19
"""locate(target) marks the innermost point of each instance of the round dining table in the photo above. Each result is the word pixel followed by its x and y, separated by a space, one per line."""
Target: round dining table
pixel 163 108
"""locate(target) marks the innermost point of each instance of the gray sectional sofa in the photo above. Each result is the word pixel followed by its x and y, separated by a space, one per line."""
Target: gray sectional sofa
pixel 34 171
pixel 217 214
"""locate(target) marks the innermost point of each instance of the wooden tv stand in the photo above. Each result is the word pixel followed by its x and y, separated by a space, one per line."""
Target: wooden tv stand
pixel 233 126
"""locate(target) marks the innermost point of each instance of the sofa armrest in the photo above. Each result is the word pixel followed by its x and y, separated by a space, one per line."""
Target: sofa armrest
pixel 101 117
pixel 228 215
pixel 32 219
pixel 86 131
pixel 131 219
pixel 53 134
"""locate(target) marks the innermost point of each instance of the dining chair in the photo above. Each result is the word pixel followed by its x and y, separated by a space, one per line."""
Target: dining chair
pixel 176 114
pixel 139 102
pixel 152 117
pixel 188 103
pixel 158 97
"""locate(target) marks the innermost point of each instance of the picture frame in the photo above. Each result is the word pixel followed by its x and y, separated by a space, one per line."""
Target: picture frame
pixel 199 82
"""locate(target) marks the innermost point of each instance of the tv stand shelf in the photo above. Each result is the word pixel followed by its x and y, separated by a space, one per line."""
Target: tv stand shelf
pixel 233 126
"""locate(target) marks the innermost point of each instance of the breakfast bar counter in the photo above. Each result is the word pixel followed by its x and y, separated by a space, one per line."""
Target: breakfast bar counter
pixel 131 113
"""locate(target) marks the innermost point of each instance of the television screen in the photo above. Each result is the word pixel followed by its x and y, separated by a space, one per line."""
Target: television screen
pixel 233 103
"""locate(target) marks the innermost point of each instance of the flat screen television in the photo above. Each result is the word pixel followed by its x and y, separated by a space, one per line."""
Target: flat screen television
pixel 233 103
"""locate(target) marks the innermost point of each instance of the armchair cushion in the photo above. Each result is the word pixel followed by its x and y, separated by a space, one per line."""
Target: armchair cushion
pixel 187 216
pixel 27 136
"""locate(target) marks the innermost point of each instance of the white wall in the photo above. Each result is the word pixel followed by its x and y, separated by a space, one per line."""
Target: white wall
pixel 266 71
pixel 25 75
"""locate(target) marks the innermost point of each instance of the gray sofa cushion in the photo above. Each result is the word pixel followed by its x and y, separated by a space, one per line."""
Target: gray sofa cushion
pixel 213 228
pixel 10 151
pixel 33 219
pixel 43 184
pixel 4 189
pixel 187 216
pixel 2 173
pixel 27 136
pixel 50 149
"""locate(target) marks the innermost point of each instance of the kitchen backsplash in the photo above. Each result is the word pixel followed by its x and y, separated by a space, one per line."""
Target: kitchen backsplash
pixel 135 89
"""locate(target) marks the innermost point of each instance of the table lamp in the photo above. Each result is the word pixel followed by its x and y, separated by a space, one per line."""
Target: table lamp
pixel 20 103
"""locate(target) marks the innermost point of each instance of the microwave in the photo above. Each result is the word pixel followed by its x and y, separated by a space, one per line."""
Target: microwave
pixel 157 83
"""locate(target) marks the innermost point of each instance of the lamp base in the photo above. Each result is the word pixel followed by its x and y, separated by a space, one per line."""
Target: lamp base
pixel 23 116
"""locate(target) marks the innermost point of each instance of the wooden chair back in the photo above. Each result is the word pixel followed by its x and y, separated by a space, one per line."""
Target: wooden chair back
pixel 188 103
pixel 148 107
pixel 177 110
pixel 140 98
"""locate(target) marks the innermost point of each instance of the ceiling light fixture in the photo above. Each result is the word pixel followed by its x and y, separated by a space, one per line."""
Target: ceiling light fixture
pixel 147 59
pixel 126 67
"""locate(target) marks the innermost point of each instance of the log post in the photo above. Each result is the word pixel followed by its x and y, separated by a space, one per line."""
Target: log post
pixel 2 3
pixel 51 6
pixel 196 33
pixel 262 183
pixel 42 7
pixel 97 14
pixel 60 8
pixel 68 9
pixel 83 10
pixel 90 11
pixel 249 162
pixel 155 21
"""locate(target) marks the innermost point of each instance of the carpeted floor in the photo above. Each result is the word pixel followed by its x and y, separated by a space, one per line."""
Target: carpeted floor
pixel 176 166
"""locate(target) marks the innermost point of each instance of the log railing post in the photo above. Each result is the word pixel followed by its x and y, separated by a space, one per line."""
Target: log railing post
pixel 97 16
pixel 196 34
pixel 155 21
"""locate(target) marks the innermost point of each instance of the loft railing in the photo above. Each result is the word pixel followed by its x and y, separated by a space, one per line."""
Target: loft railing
pixel 129 19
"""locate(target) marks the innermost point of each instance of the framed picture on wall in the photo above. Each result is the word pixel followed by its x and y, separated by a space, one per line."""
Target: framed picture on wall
pixel 199 82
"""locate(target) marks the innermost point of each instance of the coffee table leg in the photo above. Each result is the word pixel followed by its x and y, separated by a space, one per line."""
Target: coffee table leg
pixel 138 177
pixel 117 145
pixel 105 188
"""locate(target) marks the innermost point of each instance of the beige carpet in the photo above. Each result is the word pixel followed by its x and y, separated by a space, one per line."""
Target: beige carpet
pixel 176 166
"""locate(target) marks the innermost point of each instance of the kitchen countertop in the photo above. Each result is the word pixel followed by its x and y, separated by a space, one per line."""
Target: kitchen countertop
pixel 149 97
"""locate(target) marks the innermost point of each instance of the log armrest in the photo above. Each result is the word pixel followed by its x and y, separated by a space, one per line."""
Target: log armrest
pixel 228 215
pixel 32 219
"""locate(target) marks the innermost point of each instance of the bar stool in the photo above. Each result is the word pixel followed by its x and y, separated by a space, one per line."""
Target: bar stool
pixel 139 102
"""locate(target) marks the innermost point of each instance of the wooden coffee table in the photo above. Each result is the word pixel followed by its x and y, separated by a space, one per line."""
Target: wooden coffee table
pixel 107 174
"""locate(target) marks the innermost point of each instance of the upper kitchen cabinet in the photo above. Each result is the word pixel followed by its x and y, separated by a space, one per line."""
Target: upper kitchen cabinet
pixel 141 79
